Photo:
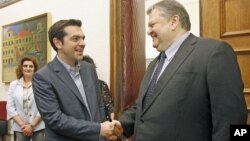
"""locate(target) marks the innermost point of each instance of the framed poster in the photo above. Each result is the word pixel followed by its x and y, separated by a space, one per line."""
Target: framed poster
pixel 25 38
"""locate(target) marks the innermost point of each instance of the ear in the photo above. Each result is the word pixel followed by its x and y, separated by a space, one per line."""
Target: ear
pixel 175 20
pixel 57 43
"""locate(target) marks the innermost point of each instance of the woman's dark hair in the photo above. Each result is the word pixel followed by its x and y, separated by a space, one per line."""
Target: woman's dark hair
pixel 88 59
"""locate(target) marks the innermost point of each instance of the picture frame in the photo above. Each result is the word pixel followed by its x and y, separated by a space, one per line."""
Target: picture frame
pixel 4 3
pixel 25 38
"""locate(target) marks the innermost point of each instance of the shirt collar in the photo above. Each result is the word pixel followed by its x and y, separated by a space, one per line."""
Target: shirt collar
pixel 170 52
pixel 21 80
pixel 68 67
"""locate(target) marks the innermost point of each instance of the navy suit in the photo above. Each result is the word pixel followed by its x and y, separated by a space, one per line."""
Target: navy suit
pixel 196 98
pixel 62 107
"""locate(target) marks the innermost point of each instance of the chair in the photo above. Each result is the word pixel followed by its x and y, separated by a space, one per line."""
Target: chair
pixel 3 120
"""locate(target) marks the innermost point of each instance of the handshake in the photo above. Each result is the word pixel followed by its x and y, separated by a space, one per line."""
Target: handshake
pixel 111 130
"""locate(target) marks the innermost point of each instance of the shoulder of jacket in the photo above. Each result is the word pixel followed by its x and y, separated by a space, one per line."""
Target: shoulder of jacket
pixel 14 82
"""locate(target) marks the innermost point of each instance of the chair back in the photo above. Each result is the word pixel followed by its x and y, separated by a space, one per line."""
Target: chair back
pixel 3 112
pixel 3 119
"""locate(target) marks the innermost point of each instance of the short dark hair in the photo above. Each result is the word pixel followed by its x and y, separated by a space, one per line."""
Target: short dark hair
pixel 88 59
pixel 57 30
pixel 19 71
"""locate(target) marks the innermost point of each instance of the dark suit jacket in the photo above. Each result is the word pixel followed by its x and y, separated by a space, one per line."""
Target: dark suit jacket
pixel 197 97
pixel 62 107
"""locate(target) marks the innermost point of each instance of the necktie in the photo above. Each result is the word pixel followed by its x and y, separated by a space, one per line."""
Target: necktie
pixel 149 94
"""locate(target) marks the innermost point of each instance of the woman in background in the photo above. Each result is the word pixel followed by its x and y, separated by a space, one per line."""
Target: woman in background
pixel 21 106
pixel 106 96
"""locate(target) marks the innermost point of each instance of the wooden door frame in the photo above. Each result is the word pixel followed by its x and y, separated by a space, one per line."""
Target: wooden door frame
pixel 127 50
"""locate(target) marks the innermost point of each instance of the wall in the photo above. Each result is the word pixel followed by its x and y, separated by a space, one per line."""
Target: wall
pixel 192 7
pixel 93 13
pixel 95 17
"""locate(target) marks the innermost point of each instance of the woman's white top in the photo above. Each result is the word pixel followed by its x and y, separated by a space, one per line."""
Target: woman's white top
pixel 16 105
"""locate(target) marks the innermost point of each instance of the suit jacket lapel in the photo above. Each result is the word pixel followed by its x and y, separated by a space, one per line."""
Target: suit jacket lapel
pixel 147 76
pixel 146 80
pixel 19 92
pixel 180 56
pixel 88 88
pixel 62 74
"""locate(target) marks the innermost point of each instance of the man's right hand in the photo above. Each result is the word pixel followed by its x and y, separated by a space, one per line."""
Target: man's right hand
pixel 111 130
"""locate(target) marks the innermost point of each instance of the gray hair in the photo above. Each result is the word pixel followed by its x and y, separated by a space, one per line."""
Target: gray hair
pixel 170 8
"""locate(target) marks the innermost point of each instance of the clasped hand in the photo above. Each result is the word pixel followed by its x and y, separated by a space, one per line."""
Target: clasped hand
pixel 111 130
pixel 27 130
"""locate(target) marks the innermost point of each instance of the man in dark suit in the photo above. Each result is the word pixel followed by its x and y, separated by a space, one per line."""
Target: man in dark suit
pixel 66 90
pixel 199 91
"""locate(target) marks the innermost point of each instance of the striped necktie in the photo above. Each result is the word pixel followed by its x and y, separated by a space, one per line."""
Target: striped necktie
pixel 149 94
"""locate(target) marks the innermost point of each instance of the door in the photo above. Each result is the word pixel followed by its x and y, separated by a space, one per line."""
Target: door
pixel 229 20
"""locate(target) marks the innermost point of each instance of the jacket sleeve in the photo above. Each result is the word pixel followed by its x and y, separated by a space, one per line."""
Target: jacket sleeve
pixel 225 91
pixel 11 106
pixel 128 121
